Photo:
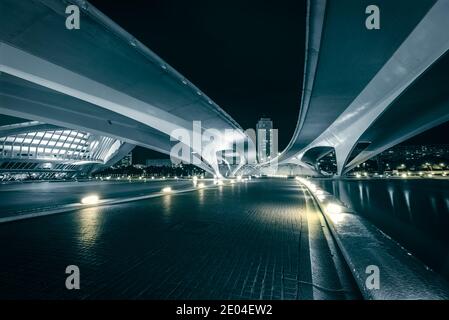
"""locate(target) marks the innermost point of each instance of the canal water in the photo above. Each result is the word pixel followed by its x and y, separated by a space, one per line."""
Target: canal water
pixel 414 212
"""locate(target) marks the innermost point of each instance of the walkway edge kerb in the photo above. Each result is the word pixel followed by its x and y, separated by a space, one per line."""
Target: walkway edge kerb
pixel 402 276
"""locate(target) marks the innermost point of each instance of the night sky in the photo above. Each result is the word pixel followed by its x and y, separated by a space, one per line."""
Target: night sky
pixel 247 55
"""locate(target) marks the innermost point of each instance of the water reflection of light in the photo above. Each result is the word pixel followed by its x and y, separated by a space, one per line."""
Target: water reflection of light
pixel 433 203
pixel 89 225
pixel 407 203
pixel 220 193
pixel 166 204
pixel 201 196
pixel 361 193
pixel 367 189
pixel 390 194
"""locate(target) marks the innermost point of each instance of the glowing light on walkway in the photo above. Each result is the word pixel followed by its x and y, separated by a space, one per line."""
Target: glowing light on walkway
pixel 334 208
pixel 166 190
pixel 91 199
pixel 335 212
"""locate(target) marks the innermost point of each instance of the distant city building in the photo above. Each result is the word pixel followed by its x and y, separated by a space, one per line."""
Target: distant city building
pixel 398 158
pixel 264 129
pixel 328 163
pixel 413 157
pixel 416 152
pixel 126 161
pixel 159 163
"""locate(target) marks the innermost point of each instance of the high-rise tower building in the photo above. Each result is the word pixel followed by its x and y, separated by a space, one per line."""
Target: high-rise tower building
pixel 264 139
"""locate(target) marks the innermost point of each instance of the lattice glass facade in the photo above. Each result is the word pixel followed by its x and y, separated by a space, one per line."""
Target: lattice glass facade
pixel 33 146
pixel 56 145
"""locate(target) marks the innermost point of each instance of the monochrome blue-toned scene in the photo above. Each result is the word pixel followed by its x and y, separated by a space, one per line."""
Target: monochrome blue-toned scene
pixel 224 150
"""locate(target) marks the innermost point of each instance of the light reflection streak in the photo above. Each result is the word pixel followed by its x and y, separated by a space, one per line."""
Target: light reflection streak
pixel 433 203
pixel 90 223
pixel 391 195
pixel 200 195
pixel 407 203
pixel 167 205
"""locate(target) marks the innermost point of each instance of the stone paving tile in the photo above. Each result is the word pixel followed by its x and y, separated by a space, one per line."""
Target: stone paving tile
pixel 246 241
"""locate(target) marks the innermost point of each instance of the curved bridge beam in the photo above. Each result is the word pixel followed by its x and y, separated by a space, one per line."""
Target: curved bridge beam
pixel 352 84
pixel 103 66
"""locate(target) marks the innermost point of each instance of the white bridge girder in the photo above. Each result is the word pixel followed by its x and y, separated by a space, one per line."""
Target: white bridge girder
pixel 86 68
pixel 25 66
pixel 423 47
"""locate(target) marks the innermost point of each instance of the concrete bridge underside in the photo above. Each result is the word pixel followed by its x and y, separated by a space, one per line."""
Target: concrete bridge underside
pixel 100 79
pixel 371 87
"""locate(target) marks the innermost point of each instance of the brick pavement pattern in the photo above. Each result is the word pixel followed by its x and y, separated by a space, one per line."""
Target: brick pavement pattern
pixel 244 241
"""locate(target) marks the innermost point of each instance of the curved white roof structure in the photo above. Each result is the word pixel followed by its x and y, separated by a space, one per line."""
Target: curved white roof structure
pixel 42 148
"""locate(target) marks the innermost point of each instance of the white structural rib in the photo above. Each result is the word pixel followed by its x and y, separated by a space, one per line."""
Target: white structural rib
pixel 423 47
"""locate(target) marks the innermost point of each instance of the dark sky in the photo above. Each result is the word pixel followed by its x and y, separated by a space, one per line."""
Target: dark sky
pixel 247 55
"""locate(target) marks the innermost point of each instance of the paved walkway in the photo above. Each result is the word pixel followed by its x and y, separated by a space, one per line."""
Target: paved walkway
pixel 256 240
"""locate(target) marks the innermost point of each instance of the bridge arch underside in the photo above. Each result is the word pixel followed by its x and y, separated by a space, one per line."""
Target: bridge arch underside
pixel 359 82
pixel 23 99
pixel 372 87
pixel 98 77
pixel 343 57
pixel 312 155
pixel 424 105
